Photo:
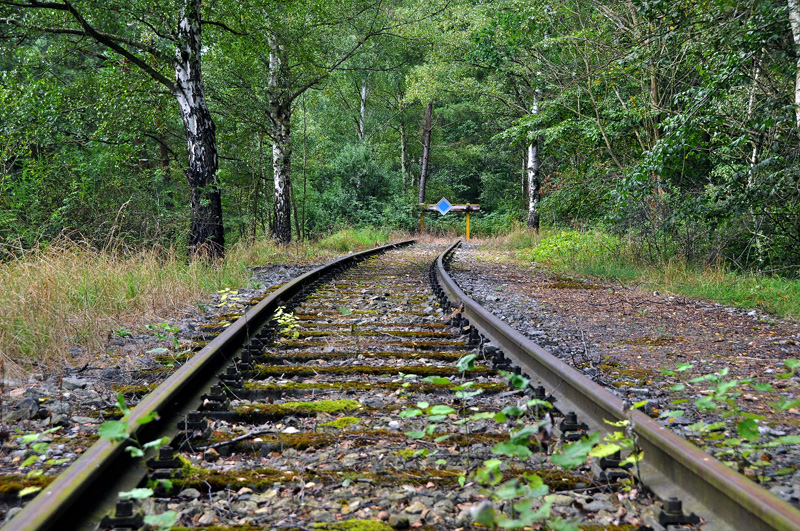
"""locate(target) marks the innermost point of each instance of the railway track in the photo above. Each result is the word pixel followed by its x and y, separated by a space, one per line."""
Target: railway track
pixel 355 397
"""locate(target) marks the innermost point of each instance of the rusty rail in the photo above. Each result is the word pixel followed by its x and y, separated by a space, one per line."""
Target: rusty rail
pixel 57 506
pixel 671 466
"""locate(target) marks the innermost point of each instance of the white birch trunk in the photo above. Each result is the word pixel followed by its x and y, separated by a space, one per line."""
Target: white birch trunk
pixel 426 150
pixel 362 115
pixel 206 236
pixel 280 117
pixel 534 185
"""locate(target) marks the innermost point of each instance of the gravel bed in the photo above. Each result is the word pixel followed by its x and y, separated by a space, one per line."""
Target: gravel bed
pixel 623 337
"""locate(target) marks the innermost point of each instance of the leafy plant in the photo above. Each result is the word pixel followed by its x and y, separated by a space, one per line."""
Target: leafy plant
pixel 120 430
pixel 721 395
pixel 287 322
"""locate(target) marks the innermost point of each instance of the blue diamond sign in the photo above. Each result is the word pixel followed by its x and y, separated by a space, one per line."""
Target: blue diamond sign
pixel 443 206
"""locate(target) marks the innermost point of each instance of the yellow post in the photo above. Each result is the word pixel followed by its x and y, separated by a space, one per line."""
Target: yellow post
pixel 422 218
pixel 467 221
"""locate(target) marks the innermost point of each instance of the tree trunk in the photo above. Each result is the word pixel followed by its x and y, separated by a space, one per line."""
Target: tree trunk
pixel 426 150
pixel 206 235
pixel 362 115
pixel 533 185
pixel 794 21
pixel 403 154
pixel 281 170
pixel 280 117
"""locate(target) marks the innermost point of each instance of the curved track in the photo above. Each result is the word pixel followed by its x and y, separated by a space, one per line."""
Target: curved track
pixel 355 347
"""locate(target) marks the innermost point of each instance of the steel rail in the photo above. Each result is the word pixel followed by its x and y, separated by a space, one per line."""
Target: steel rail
pixel 671 466
pixel 53 505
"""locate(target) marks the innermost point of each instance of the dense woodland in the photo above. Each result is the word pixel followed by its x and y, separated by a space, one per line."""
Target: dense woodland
pixel 673 123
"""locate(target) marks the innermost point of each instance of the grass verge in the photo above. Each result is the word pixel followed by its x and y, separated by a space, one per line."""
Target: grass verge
pixel 603 255
pixel 71 295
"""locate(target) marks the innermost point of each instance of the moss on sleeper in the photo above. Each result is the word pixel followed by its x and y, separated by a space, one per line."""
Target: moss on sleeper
pixel 295 408
pixel 353 525
pixel 266 371
pixel 341 423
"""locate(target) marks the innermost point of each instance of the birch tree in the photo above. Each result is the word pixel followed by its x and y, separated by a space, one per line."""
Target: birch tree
pixel 155 39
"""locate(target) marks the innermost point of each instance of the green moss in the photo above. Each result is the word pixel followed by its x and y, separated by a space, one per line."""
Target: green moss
pixel 259 479
pixel 134 390
pixel 307 356
pixel 354 525
pixel 295 408
pixel 11 485
pixel 341 423
pixel 363 386
pixel 265 371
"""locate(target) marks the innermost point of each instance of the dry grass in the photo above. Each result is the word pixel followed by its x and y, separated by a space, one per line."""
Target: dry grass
pixel 72 295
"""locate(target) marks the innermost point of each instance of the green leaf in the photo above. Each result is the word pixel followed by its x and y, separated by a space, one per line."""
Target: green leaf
pixel 410 413
pixel 137 494
pixel 115 430
pixel 28 490
pixel 632 459
pixel 604 450
pixel 748 429
pixel 466 363
pixel 500 417
pixel 156 444
pixel 672 414
pixel 135 451
pixel 786 439
pixel 482 416
pixel 792 363
pixel 162 521
pixel 763 387
pixel 29 461
pixel 575 454
pixel 539 403
pixel 483 514
pixel 677 387
pixel 441 410
pixel 147 419
pixel 438 380
pixel 785 405
pixel 640 404
pixel 705 403
pixel 158 351
pixel 468 394
pixel 29 438
pixel 512 449
pixel 441 438
pixel 509 489
pixel 423 405
pixel 684 367
pixel 517 381
pixel 344 311
pixel 513 411
pixel 346 483
pixel 121 404
pixel 415 434
pixel 462 479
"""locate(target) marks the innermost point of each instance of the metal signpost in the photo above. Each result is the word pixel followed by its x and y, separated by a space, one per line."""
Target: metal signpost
pixel 443 207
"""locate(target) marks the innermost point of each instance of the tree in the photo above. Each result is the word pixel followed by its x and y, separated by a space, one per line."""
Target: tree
pixel 142 34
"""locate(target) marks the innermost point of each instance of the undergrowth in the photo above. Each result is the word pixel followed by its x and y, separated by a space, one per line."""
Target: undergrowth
pixel 604 255
pixel 68 294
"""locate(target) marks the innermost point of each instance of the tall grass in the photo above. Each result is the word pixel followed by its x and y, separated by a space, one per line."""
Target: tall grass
pixel 69 294
pixel 604 255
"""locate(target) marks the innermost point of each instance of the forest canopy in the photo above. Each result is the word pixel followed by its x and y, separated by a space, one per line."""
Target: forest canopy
pixel 194 124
